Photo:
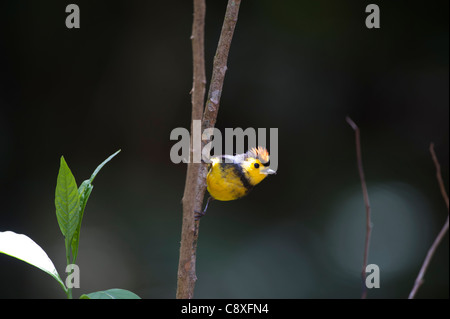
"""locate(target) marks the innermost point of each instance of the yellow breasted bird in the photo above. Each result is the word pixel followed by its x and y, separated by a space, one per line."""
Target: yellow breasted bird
pixel 232 177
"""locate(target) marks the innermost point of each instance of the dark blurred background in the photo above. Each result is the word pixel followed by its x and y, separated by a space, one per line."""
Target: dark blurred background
pixel 122 81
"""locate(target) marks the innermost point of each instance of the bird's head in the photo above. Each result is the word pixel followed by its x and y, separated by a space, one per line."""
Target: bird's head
pixel 256 164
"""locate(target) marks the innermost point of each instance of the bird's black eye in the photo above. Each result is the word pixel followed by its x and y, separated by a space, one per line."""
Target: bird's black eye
pixel 256 165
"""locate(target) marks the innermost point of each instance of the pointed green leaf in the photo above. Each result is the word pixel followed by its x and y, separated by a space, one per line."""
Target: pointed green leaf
pixel 67 202
pixel 24 248
pixel 101 165
pixel 111 294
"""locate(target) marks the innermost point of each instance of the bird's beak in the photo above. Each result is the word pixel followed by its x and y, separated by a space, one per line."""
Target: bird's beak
pixel 268 171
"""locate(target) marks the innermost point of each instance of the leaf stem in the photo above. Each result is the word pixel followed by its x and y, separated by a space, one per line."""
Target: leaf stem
pixel 68 262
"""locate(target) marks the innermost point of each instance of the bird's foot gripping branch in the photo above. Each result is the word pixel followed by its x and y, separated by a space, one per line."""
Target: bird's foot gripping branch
pixel 229 176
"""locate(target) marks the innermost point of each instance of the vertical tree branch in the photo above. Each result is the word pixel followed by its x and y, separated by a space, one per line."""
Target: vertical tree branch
pixel 195 179
pixel 366 202
pixel 189 232
pixel 198 59
pixel 419 280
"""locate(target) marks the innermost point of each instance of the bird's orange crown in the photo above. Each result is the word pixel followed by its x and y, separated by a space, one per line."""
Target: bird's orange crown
pixel 260 153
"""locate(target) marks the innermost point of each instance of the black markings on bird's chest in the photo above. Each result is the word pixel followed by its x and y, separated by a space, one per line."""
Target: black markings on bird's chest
pixel 239 171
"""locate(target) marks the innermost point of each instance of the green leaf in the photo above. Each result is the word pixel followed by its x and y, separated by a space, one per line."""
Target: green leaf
pixel 101 166
pixel 111 294
pixel 67 202
pixel 24 248
pixel 84 191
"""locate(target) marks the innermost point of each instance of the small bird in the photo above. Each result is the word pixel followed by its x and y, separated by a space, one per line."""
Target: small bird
pixel 232 177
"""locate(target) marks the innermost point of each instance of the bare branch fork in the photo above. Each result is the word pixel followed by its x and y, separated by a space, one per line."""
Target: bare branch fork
pixel 419 280
pixel 196 173
pixel 366 203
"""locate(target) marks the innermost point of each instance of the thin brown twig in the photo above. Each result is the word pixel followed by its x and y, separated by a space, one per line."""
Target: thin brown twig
pixel 366 202
pixel 419 280
pixel 439 175
pixel 220 65
pixel 195 180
